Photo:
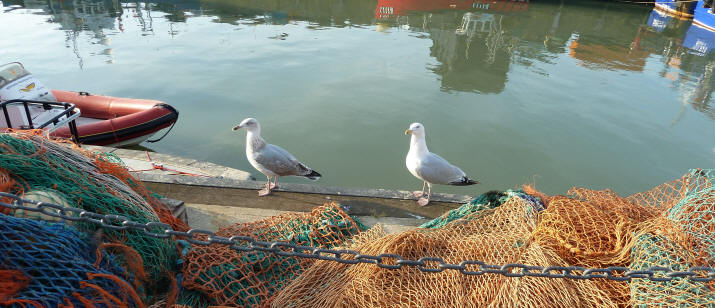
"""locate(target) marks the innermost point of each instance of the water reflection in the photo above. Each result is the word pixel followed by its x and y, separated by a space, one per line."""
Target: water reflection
pixel 318 13
pixel 685 51
pixel 474 42
pixel 473 48
pixel 97 17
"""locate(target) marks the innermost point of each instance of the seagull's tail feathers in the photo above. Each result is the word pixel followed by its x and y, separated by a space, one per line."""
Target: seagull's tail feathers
pixel 313 175
pixel 465 181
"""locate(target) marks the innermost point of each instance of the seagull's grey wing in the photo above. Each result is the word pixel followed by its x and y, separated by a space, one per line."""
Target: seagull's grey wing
pixel 278 160
pixel 435 169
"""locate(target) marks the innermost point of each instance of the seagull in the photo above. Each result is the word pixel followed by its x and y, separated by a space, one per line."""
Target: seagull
pixel 271 160
pixel 430 167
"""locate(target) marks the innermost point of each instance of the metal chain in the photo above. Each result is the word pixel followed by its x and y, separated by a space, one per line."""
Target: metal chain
pixel 345 256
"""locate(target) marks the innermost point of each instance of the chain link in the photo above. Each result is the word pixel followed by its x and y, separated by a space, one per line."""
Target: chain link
pixel 345 256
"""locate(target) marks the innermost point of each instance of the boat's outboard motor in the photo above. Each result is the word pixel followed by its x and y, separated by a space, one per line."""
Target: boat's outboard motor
pixel 18 83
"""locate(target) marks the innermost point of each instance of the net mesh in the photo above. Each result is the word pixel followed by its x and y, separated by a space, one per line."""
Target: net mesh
pixel 80 264
pixel 48 170
pixel 488 200
pixel 682 238
pixel 228 277
pixel 49 265
pixel 670 225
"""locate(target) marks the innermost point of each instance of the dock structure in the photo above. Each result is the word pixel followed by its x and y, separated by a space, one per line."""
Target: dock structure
pixel 216 196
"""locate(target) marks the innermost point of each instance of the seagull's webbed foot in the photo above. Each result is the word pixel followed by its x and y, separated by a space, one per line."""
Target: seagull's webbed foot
pixel 267 188
pixel 423 201
pixel 264 192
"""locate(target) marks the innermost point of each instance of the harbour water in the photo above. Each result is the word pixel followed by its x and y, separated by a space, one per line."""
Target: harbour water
pixel 556 93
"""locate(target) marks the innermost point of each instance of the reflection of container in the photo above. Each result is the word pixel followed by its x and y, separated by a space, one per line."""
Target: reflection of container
pixel 704 17
pixel 676 8
pixel 503 6
pixel 475 23
pixel 389 8
pixel 597 55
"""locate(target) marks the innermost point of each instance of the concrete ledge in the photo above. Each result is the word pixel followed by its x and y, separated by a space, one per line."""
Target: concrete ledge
pixel 296 188
pixel 138 160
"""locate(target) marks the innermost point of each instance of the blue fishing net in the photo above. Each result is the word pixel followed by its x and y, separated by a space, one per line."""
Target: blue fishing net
pixel 59 262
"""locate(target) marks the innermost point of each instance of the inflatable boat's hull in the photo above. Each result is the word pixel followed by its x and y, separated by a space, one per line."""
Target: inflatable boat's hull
pixel 114 121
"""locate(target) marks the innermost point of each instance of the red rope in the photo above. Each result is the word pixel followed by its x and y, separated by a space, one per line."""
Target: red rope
pixel 158 166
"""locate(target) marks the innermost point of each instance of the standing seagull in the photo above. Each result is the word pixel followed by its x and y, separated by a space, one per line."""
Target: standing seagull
pixel 430 167
pixel 271 160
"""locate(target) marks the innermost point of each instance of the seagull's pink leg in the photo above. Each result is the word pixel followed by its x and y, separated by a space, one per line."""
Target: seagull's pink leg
pixel 266 190
pixel 420 193
pixel 424 201
pixel 275 183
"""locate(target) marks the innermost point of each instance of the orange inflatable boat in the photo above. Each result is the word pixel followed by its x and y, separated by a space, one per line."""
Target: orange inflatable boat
pixel 25 103
pixel 115 121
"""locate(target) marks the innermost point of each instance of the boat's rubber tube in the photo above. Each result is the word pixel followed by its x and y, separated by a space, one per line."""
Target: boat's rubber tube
pixel 124 118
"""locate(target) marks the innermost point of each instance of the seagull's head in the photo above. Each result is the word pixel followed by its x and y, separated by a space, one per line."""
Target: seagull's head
pixel 250 124
pixel 416 129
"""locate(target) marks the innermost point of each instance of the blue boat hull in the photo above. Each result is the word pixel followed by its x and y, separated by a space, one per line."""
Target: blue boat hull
pixel 676 8
pixel 704 17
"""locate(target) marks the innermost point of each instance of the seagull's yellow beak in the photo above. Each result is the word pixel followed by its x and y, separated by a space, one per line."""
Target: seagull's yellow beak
pixel 407 132
pixel 237 127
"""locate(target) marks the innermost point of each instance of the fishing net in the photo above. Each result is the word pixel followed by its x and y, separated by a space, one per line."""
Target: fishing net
pixel 46 170
pixel 45 263
pixel 246 279
pixel 682 239
pixel 499 235
pixel 51 265
pixel 488 200
pixel 671 225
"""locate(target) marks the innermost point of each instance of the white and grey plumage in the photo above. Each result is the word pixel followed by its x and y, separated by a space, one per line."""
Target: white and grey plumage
pixel 430 167
pixel 271 160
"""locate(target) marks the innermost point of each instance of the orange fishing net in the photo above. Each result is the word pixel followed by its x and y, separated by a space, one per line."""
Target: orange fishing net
pixel 8 184
pixel 671 225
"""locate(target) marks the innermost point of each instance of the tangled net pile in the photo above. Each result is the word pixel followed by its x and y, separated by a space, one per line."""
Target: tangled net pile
pixel 62 270
pixel 231 278
pixel 62 262
pixel 671 225
pixel 44 262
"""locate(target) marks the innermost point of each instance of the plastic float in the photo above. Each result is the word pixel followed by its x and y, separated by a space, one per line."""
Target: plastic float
pixel 90 119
